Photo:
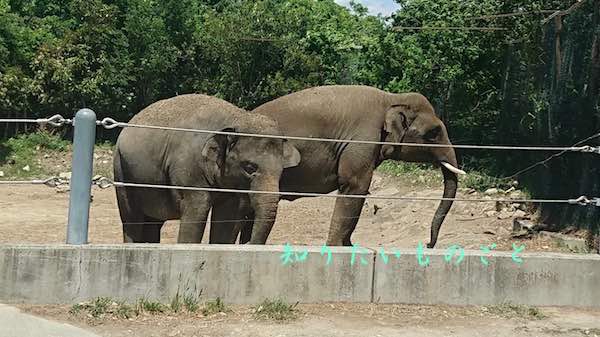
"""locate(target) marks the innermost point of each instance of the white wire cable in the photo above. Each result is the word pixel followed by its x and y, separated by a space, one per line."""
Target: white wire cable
pixel 56 120
pixel 106 183
pixel 110 123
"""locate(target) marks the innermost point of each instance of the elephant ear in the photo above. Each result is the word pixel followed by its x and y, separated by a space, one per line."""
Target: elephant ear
pixel 216 148
pixel 291 155
pixel 397 120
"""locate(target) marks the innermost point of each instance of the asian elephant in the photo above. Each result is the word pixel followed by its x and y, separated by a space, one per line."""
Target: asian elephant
pixel 358 113
pixel 160 157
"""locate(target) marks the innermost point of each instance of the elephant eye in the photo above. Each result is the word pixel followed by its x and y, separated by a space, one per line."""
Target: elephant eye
pixel 432 134
pixel 249 168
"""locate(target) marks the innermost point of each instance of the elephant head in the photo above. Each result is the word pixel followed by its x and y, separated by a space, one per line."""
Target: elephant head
pixel 411 119
pixel 252 163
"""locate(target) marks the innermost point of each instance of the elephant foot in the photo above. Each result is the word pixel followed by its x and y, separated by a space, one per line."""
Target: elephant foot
pixel 333 243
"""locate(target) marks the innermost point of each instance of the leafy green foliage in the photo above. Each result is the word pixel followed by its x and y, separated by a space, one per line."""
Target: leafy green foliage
pixel 499 87
pixel 19 152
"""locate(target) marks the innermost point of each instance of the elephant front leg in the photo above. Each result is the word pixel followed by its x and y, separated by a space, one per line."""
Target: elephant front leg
pixel 347 210
pixel 344 220
pixel 194 213
pixel 225 223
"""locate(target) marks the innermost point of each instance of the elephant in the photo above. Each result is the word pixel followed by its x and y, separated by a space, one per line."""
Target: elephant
pixel 184 158
pixel 358 113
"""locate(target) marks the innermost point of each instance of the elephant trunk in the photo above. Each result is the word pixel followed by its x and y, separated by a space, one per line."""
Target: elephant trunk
pixel 265 211
pixel 449 166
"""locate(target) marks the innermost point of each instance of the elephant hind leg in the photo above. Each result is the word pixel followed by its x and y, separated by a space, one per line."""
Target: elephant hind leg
pixel 145 231
pixel 132 219
pixel 151 230
pixel 133 232
pixel 246 233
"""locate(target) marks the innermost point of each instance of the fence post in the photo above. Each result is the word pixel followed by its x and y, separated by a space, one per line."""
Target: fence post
pixel 81 177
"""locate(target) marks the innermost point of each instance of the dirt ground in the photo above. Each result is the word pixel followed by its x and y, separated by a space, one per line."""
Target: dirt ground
pixel 38 214
pixel 347 320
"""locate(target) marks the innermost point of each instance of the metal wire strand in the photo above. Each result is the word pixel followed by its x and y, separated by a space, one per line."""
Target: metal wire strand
pixel 106 183
pixel 50 182
pixel 110 123
pixel 556 155
pixel 56 120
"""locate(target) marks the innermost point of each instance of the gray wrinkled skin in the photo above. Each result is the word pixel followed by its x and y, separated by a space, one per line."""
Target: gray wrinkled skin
pixel 203 160
pixel 359 113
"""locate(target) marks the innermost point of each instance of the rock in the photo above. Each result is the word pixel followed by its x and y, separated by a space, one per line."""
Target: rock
pixel 491 214
pixel 523 224
pixel 519 214
pixel 421 179
pixel 471 191
pixel 1 173
pixel 26 168
pixel 569 230
pixel 489 233
pixel 62 189
pixel 491 191
pixel 578 245
pixel 96 177
pixel 504 215
pixel 105 162
pixel 11 161
pixel 516 195
pixel 510 190
pixel 65 175
pixel 46 156
pixel 521 234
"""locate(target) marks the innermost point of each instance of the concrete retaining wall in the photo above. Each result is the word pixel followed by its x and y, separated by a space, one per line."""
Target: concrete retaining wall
pixel 237 274
pixel 543 279
pixel 248 274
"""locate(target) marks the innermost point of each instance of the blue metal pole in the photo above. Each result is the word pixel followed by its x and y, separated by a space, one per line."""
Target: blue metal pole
pixel 81 176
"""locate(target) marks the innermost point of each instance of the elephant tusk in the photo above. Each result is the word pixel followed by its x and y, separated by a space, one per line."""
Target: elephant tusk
pixel 452 168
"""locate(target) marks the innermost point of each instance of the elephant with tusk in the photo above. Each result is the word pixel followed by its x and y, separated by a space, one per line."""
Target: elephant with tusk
pixel 358 113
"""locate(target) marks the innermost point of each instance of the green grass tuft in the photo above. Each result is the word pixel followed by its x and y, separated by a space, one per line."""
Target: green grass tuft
pixel 277 310
pixel 176 303
pixel 214 307
pixel 191 303
pixel 145 305
pixel 516 310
